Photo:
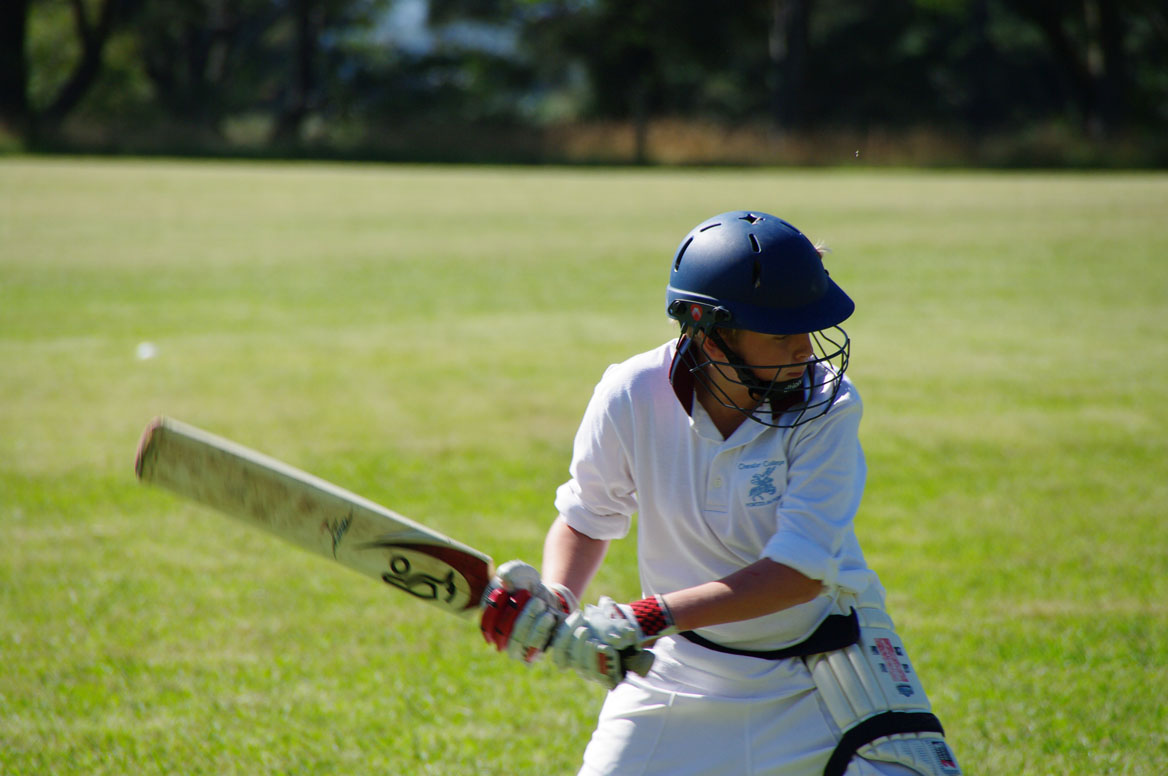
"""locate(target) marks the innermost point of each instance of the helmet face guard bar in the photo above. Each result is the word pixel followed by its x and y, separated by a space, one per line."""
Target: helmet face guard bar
pixel 777 403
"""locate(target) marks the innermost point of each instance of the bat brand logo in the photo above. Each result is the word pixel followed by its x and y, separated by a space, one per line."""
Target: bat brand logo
pixel 432 572
pixel 419 585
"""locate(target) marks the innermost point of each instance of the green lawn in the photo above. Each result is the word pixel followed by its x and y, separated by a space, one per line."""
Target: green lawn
pixel 428 337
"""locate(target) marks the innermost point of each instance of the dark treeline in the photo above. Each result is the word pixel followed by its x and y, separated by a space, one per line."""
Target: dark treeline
pixel 353 76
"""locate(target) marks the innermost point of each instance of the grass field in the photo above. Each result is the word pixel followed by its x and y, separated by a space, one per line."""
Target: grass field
pixel 428 337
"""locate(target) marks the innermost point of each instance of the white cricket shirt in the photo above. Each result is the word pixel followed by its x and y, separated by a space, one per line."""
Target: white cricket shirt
pixel 707 506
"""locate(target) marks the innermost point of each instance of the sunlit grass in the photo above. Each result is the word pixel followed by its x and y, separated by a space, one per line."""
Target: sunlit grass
pixel 429 336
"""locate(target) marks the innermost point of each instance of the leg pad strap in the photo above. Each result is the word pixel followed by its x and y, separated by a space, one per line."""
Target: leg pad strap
pixel 889 723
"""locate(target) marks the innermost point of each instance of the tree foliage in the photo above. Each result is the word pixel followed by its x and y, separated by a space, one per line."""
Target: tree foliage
pixel 1100 65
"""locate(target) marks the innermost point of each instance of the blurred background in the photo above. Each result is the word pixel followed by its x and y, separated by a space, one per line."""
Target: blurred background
pixel 1079 83
pixel 428 335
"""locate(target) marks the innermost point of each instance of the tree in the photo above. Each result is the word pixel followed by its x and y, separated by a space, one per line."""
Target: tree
pixel 311 49
pixel 14 111
pixel 656 57
pixel 1086 40
pixel 92 34
pixel 789 43
pixel 206 58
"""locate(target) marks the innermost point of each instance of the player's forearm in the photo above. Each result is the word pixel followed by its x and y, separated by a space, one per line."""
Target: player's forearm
pixel 571 558
pixel 759 589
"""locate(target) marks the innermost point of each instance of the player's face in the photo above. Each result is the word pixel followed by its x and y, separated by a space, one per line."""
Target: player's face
pixel 774 356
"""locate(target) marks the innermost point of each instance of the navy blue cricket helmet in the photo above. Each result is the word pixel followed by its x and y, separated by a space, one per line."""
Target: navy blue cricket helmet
pixel 750 270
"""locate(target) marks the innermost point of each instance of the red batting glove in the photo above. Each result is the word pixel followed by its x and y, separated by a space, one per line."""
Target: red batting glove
pixel 520 612
pixel 500 610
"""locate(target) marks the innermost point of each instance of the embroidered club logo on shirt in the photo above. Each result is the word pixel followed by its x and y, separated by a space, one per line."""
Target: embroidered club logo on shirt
pixel 762 485
pixel 763 490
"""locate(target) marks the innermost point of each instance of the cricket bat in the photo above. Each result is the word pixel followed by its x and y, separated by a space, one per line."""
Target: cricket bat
pixel 313 514
pixel 322 518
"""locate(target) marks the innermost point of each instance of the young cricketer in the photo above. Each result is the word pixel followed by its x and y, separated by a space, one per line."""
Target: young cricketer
pixel 736 447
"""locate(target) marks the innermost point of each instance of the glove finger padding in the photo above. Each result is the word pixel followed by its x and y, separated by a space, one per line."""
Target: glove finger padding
pixel 520 611
pixel 532 630
pixel 501 609
pixel 517 575
pixel 603 642
pixel 614 624
pixel 579 646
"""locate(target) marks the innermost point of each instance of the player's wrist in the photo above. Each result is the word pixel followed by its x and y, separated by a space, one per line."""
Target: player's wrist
pixel 652 616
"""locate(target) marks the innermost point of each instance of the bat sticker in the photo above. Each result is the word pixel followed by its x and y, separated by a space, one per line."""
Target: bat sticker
pixel 461 576
pixel 419 585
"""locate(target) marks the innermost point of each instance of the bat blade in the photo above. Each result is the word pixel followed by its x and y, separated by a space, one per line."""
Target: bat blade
pixel 313 514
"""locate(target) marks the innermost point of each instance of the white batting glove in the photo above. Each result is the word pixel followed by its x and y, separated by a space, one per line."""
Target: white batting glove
pixel 603 642
pixel 520 611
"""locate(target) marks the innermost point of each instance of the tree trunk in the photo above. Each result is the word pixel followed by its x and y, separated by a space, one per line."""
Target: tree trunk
pixel 93 39
pixel 980 112
pixel 291 119
pixel 14 111
pixel 789 44
pixel 1113 81
pixel 1074 65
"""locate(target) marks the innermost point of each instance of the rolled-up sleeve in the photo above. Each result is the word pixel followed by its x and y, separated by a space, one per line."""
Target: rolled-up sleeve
pixel 600 498
pixel 815 533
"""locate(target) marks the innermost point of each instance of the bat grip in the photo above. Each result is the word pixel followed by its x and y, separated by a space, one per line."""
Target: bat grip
pixel 639 661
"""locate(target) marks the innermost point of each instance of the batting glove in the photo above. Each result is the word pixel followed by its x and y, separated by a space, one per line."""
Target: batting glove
pixel 521 612
pixel 603 642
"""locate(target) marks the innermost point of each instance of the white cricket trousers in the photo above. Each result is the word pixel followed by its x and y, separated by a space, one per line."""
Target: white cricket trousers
pixel 702 713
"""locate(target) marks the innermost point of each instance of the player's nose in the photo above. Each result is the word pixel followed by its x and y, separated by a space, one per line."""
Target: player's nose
pixel 803 350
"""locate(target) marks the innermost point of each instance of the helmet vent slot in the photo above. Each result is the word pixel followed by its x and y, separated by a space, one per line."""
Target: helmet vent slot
pixel 680 253
pixel 754 244
pixel 757 273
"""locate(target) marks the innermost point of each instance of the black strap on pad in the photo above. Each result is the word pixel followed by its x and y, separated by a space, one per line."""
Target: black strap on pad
pixel 835 632
pixel 887 724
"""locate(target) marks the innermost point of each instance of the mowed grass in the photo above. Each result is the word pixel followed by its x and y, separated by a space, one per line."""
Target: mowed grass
pixel 428 337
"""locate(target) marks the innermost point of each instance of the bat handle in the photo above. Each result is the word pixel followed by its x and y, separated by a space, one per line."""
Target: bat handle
pixel 639 661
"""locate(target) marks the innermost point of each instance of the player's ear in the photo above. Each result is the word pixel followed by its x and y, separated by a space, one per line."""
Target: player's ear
pixel 710 347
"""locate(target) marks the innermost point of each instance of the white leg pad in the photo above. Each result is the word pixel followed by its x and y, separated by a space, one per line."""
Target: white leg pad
pixel 874 677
